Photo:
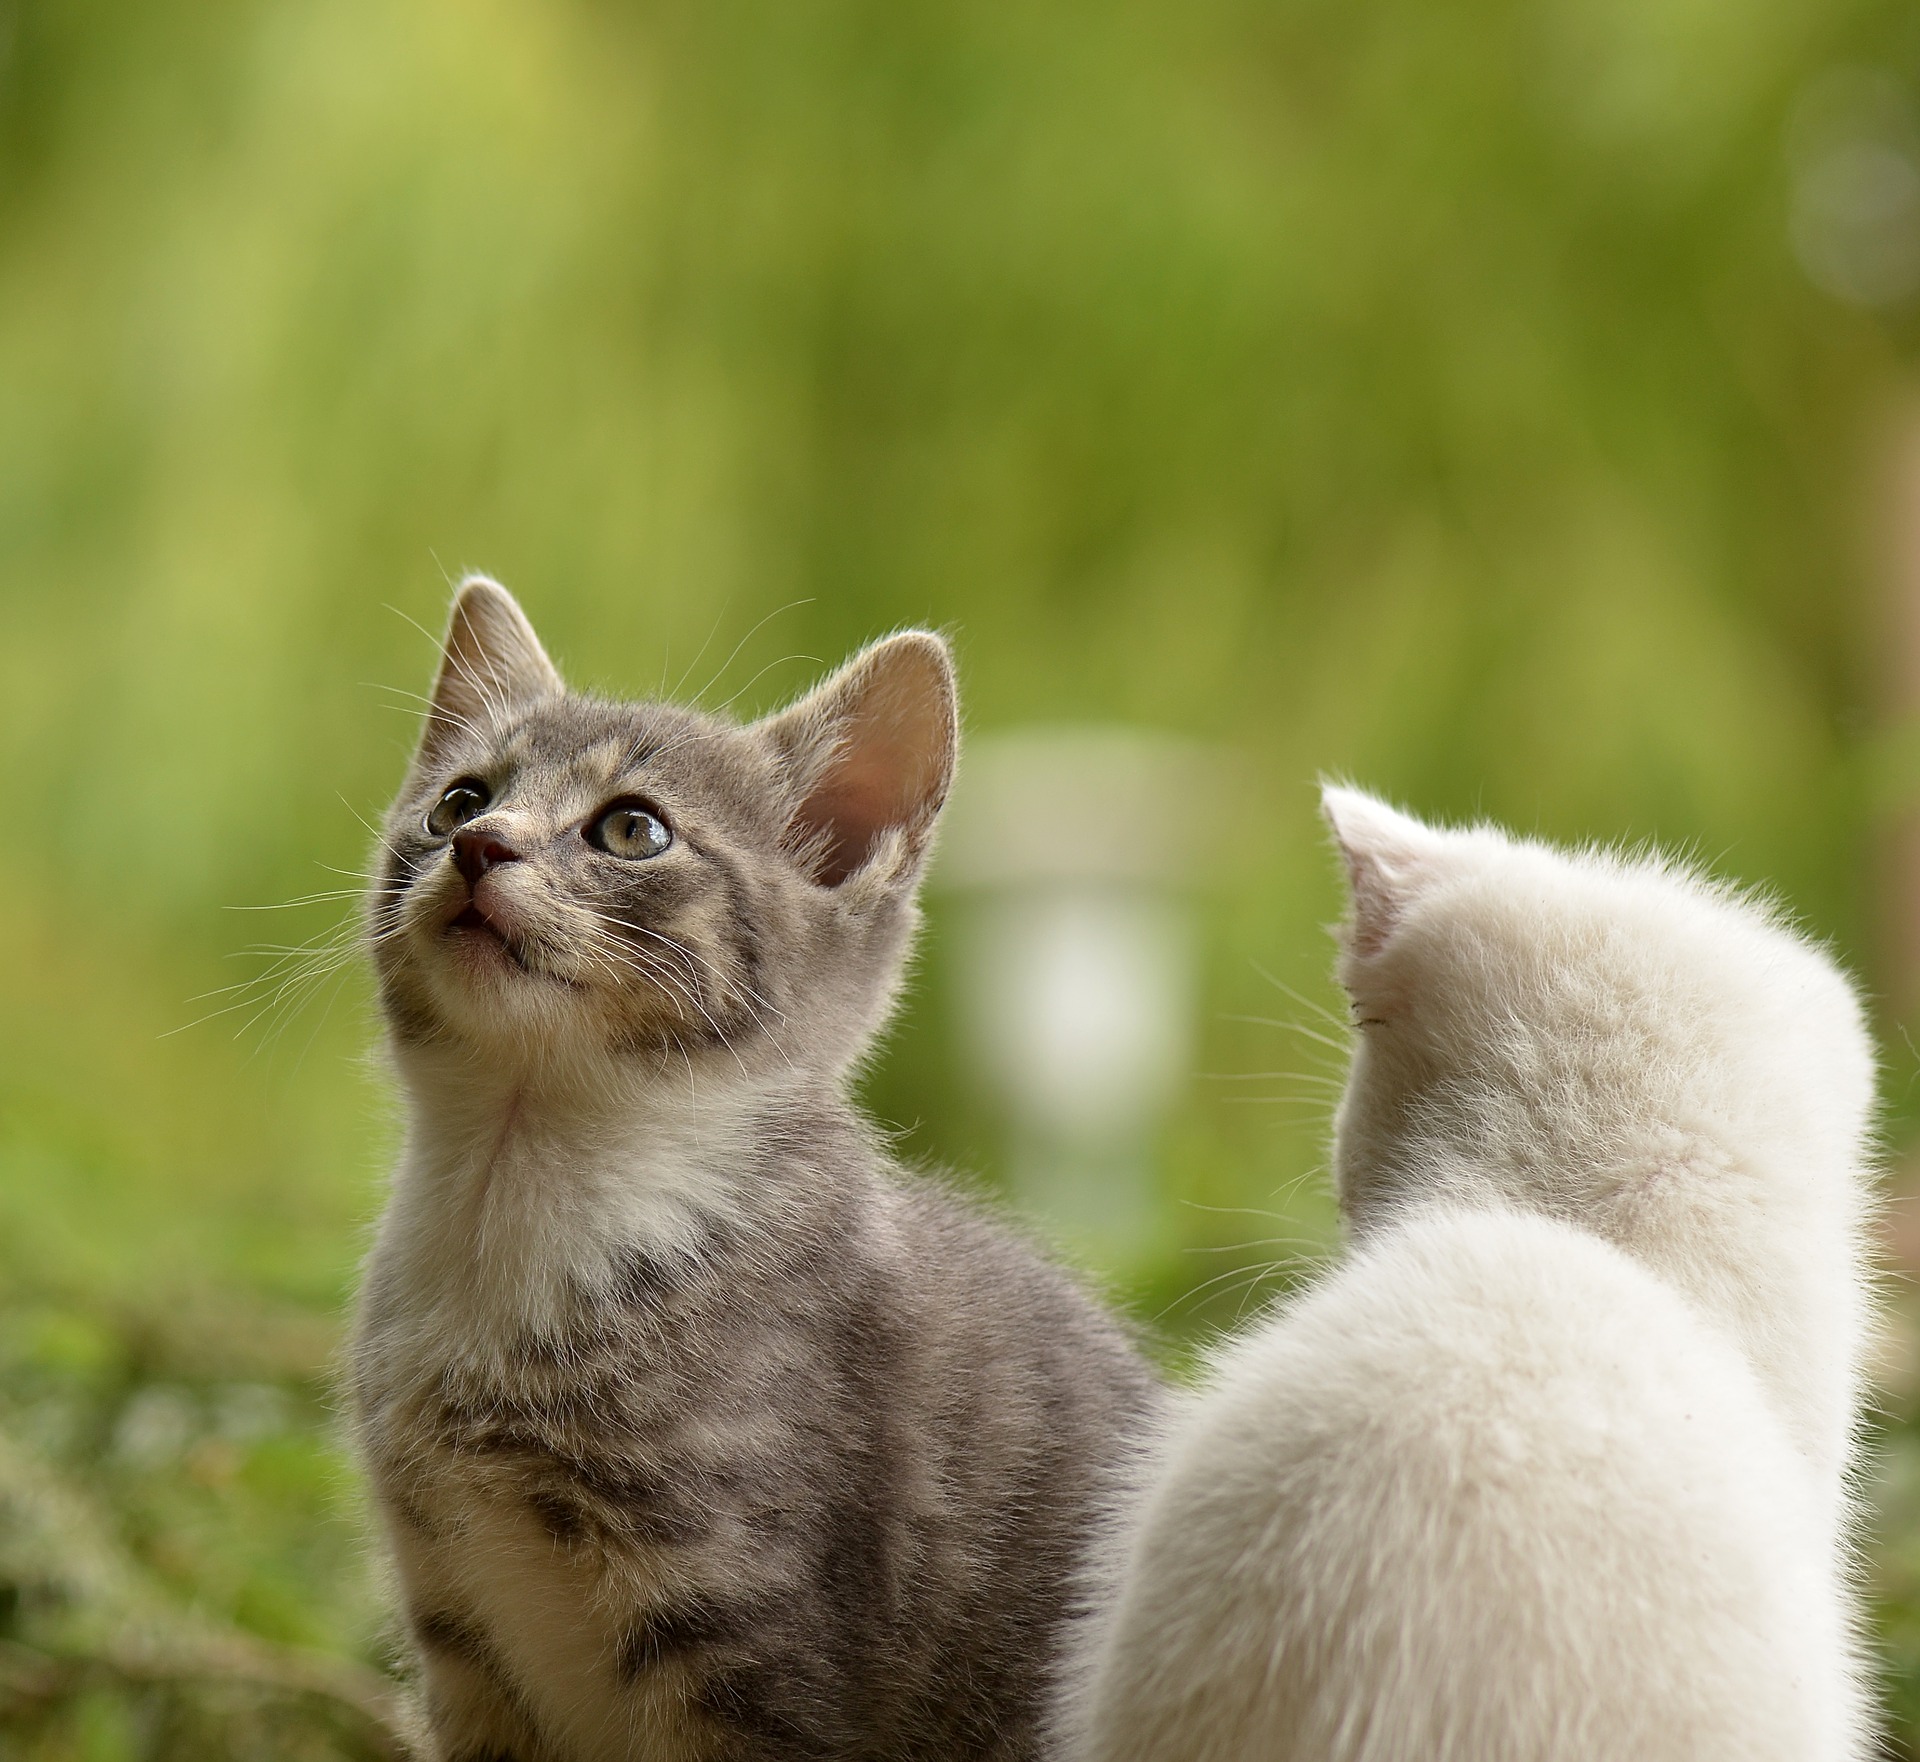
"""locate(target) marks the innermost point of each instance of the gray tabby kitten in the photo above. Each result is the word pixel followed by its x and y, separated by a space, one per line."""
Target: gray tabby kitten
pixel 696 1431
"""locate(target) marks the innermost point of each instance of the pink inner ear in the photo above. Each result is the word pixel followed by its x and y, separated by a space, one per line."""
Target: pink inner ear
pixel 892 756
pixel 873 748
pixel 1376 903
pixel 1386 855
pixel 858 800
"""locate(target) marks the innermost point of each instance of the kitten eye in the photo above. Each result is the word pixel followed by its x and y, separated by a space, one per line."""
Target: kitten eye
pixel 629 830
pixel 460 803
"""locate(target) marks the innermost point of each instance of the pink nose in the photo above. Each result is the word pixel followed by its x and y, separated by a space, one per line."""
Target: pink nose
pixel 474 853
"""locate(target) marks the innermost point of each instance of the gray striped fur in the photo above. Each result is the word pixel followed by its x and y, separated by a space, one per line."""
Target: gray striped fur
pixel 697 1429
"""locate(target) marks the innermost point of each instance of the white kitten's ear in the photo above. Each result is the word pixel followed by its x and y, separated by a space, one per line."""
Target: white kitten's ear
pixel 491 665
pixel 872 754
pixel 1388 854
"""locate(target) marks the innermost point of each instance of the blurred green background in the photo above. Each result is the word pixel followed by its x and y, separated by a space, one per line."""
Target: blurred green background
pixel 1508 404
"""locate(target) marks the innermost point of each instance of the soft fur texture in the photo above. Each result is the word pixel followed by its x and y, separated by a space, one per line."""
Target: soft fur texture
pixel 696 1430
pixel 1554 1467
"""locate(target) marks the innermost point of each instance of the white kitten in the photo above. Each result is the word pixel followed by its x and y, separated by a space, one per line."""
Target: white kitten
pixel 1554 1465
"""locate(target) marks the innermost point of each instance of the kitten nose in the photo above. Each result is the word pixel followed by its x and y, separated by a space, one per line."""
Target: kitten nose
pixel 474 853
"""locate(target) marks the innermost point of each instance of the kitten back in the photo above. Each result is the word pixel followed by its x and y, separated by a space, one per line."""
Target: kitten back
pixel 1620 1039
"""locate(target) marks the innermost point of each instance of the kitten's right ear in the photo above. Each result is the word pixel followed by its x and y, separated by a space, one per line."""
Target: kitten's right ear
pixel 1387 855
pixel 871 753
pixel 491 666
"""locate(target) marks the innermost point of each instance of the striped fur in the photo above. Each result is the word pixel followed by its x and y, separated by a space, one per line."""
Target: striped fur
pixel 697 1430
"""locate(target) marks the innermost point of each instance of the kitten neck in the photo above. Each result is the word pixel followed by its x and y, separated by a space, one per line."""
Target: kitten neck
pixel 521 1203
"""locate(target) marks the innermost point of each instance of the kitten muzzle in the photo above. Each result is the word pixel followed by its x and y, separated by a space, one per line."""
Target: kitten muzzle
pixel 480 921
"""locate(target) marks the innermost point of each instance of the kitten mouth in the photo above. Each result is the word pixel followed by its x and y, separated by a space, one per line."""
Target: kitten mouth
pixel 474 922
pixel 475 928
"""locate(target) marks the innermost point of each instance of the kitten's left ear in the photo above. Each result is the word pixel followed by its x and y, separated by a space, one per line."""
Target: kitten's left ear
pixel 1387 853
pixel 491 665
pixel 871 752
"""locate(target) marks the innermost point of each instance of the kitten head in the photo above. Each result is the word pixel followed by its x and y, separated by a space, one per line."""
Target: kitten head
pixel 567 879
pixel 1590 1034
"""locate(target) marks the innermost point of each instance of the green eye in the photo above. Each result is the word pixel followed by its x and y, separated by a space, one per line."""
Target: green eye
pixel 455 808
pixel 629 830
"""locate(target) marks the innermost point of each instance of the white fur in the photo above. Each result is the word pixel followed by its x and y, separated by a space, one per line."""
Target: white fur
pixel 1554 1466
pixel 509 1211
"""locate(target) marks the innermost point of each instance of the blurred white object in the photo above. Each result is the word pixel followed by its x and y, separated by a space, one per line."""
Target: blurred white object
pixel 1075 852
pixel 1853 152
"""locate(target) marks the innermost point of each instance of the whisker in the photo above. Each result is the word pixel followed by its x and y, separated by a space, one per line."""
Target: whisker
pixel 638 961
pixel 777 612
pixel 636 759
pixel 427 706
pixel 764 671
pixel 1304 1244
pixel 1332 1017
pixel 379 837
pixel 1342 1046
pixel 1231 1277
pixel 490 689
pixel 734 987
pixel 287 905
pixel 1273 1217
pixel 713 630
pixel 1314 1101
pixel 1269 1077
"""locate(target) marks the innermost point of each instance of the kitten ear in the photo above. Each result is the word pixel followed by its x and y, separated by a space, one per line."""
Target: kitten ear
pixel 872 753
pixel 1387 854
pixel 491 664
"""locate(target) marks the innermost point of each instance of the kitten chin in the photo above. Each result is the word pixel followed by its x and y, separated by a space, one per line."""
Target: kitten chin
pixel 693 1423
pixel 1555 1464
